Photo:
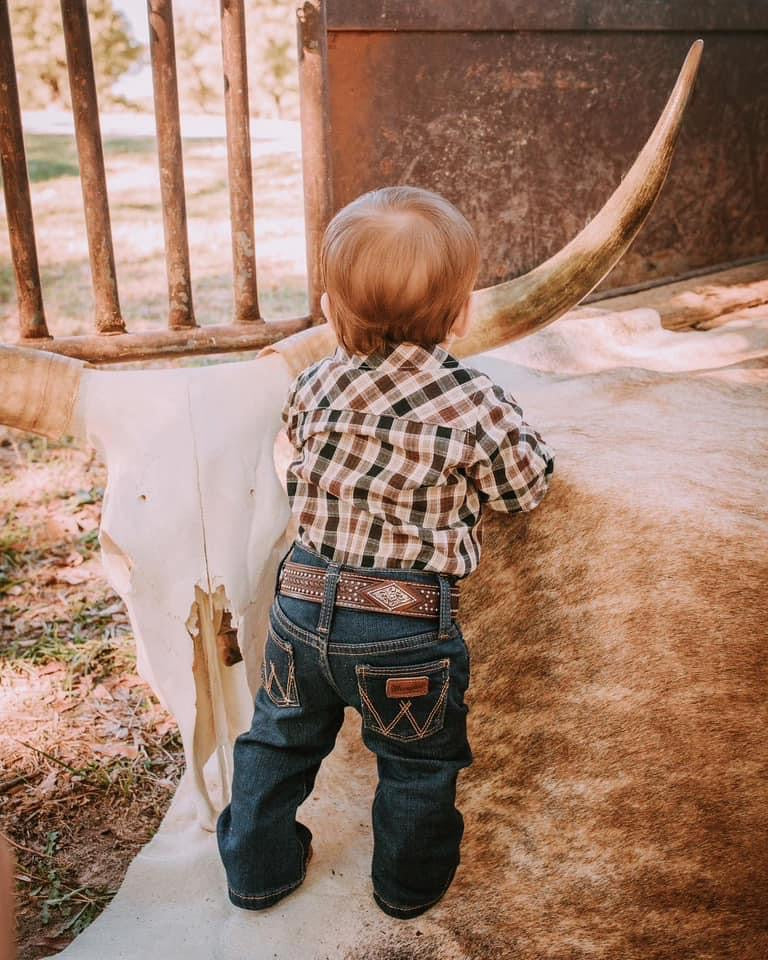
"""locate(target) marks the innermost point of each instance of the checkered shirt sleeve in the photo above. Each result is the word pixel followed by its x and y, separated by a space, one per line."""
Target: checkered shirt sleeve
pixel 287 410
pixel 513 464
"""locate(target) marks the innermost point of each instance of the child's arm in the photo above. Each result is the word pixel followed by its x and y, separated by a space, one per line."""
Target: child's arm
pixel 513 464
pixel 285 449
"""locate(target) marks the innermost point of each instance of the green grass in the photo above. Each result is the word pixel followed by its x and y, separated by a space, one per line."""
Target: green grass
pixel 51 157
pixel 15 557
pixel 61 897
pixel 138 240
pixel 83 639
pixel 139 147
pixel 7 288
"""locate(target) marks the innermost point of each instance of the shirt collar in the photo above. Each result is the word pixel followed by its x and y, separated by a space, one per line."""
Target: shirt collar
pixel 401 356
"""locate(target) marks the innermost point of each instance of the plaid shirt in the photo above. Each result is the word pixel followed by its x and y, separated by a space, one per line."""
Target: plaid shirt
pixel 396 453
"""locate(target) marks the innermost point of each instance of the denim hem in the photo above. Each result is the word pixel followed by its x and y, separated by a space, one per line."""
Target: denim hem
pixel 247 901
pixel 408 913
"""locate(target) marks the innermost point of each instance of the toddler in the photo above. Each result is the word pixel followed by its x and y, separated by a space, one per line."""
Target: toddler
pixel 397 446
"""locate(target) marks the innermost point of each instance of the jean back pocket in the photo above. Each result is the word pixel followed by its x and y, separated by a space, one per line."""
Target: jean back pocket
pixel 278 672
pixel 404 702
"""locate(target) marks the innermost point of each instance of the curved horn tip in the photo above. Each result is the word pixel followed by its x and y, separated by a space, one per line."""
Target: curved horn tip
pixel 510 310
pixel 693 56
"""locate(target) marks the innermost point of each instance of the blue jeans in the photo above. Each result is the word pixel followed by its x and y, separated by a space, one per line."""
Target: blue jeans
pixel 319 659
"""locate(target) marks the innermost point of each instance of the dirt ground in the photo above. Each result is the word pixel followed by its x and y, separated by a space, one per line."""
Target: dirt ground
pixel 89 759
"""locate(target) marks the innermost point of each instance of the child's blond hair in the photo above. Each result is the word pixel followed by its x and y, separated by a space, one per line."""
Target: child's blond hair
pixel 397 264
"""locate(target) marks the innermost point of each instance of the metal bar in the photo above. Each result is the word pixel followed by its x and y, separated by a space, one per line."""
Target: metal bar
pixel 163 51
pixel 555 15
pixel 85 109
pixel 21 229
pixel 151 344
pixel 315 138
pixel 239 159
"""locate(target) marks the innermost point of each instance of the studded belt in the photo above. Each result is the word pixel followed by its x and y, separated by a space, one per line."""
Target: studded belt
pixel 405 597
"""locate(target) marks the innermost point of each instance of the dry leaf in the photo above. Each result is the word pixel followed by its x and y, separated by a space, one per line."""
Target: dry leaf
pixel 127 750
pixel 111 611
pixel 73 577
pixel 165 726
pixel 60 526
pixel 129 680
pixel 54 943
pixel 53 667
pixel 48 785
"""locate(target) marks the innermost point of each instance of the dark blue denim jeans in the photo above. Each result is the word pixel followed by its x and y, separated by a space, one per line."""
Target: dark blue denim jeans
pixel 319 659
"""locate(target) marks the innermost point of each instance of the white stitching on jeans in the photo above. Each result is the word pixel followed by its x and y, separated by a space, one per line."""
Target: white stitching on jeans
pixel 271 893
pixel 289 695
pixel 421 905
pixel 265 896
pixel 432 667
pixel 387 729
pixel 428 638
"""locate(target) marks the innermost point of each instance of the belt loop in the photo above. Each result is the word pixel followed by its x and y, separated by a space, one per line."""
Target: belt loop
pixel 445 607
pixel 332 574
pixel 279 574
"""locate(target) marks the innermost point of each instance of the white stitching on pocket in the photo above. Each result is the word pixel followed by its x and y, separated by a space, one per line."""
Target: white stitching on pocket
pixel 279 685
pixel 373 718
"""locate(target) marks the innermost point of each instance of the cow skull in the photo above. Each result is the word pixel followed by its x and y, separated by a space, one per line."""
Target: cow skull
pixel 194 518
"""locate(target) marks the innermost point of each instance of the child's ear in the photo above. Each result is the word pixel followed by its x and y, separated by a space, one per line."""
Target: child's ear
pixel 463 320
pixel 325 306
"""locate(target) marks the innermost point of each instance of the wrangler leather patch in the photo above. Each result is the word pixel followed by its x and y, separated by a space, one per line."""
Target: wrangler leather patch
pixel 398 687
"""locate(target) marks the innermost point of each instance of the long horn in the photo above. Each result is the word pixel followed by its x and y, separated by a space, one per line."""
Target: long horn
pixel 39 390
pixel 511 310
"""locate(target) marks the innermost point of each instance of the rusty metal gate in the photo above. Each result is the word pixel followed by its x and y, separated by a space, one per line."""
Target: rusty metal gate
pixel 527 114
pixel 111 341
pixel 524 114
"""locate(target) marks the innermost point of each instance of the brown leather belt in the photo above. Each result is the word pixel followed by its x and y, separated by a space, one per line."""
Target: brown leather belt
pixel 404 597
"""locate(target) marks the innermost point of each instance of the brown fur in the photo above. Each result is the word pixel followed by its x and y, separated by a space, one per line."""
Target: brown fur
pixel 616 805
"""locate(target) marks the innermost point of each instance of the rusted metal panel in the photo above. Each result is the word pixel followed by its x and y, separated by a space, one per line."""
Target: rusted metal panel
pixel 239 160
pixel 163 53
pixel 556 15
pixel 153 344
pixel 93 180
pixel 315 138
pixel 529 131
pixel 18 206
